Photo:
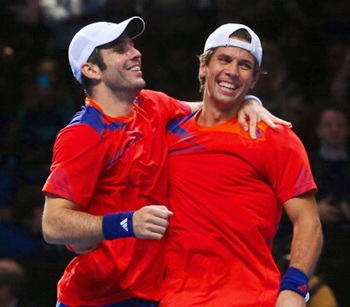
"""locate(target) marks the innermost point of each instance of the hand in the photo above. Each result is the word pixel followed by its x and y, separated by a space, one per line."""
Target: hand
pixel 329 214
pixel 254 112
pixel 151 222
pixel 288 298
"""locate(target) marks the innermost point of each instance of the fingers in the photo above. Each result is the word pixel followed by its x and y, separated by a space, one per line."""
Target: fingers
pixel 151 222
pixel 255 113
pixel 242 120
pixel 252 127
pixel 277 120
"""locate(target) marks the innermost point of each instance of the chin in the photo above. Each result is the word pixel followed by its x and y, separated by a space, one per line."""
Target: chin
pixel 142 83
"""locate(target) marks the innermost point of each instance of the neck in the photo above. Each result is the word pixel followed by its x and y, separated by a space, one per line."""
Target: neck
pixel 211 115
pixel 114 104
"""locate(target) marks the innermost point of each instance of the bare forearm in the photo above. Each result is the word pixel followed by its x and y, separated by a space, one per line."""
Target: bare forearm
pixel 306 245
pixel 63 225
pixel 307 232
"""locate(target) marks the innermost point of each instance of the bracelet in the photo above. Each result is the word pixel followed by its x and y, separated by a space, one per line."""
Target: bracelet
pixel 118 225
pixel 247 97
pixel 296 281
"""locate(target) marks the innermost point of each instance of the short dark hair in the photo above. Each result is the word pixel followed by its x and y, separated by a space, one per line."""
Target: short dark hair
pixel 96 58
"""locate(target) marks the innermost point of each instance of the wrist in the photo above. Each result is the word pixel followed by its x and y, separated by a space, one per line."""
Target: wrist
pixel 247 97
pixel 297 281
pixel 118 225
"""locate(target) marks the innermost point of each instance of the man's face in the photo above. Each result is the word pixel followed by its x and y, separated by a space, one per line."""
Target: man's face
pixel 229 76
pixel 123 62
pixel 333 128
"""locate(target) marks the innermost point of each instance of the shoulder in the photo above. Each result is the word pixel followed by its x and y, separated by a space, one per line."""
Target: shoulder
pixel 282 140
pixel 281 133
pixel 152 95
pixel 90 118
pixel 87 126
pixel 154 102
pixel 149 96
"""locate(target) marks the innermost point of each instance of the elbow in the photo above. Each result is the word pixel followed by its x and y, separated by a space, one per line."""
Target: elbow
pixel 49 234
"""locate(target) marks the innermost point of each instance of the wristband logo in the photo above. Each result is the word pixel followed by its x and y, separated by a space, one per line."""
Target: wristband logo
pixel 303 288
pixel 124 224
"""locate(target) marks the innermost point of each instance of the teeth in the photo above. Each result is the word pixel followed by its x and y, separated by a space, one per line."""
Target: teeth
pixel 227 85
pixel 136 68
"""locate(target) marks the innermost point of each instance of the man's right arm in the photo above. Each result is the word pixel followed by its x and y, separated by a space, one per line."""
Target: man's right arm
pixel 64 223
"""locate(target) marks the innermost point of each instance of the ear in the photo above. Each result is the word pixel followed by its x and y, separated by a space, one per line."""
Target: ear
pixel 202 69
pixel 90 70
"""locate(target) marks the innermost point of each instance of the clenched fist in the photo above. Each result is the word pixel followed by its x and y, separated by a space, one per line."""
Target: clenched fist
pixel 151 222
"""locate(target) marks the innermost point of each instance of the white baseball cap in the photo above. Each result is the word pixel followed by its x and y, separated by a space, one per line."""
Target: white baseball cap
pixel 96 34
pixel 221 37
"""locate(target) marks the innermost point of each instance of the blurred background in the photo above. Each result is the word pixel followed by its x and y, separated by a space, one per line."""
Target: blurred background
pixel 306 54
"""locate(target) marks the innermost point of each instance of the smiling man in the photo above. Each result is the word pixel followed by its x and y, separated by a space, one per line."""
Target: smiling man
pixel 227 192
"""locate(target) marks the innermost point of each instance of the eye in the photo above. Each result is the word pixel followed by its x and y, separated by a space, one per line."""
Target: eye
pixel 246 65
pixel 225 59
pixel 121 48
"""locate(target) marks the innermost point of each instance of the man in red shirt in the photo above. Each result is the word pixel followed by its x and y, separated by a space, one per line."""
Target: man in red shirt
pixel 227 192
pixel 106 193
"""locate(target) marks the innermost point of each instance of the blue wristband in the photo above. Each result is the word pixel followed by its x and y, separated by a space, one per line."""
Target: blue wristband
pixel 295 280
pixel 118 225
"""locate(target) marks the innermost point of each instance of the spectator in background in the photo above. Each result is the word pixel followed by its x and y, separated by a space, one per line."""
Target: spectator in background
pixel 13 285
pixel 331 168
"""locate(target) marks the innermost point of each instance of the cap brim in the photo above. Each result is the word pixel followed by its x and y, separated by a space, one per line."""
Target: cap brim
pixel 135 27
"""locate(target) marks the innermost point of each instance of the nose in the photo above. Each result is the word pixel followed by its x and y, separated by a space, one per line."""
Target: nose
pixel 232 69
pixel 134 53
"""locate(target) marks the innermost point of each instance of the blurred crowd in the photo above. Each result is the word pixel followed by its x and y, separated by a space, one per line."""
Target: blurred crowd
pixel 306 57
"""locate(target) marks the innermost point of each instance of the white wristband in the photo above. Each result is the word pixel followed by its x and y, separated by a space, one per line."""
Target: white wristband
pixel 247 97
pixel 307 297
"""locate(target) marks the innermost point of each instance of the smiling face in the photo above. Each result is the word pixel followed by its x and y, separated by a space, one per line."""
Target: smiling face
pixel 116 66
pixel 229 75
pixel 123 66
